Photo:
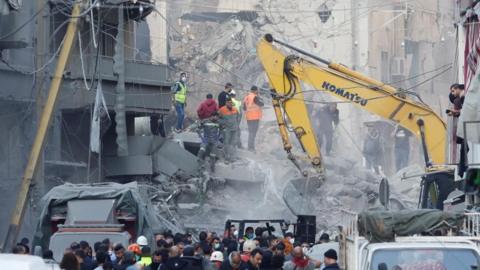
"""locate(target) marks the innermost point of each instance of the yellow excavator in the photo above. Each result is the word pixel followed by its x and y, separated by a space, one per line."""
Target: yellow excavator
pixel 285 74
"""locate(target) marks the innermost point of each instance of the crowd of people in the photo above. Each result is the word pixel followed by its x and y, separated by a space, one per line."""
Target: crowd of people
pixel 254 251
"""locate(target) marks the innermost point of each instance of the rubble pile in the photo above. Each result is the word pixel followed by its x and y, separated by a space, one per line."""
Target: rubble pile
pixel 219 50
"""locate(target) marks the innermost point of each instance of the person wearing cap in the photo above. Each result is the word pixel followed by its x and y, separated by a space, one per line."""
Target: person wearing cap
pixel 229 125
pixel 330 260
pixel 238 105
pixel 248 247
pixel 252 105
pixel 217 259
pixel 224 95
pixel 180 100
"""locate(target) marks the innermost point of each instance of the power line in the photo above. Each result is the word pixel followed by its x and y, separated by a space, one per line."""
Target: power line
pixel 85 12
pixel 39 69
pixel 291 10
pixel 24 24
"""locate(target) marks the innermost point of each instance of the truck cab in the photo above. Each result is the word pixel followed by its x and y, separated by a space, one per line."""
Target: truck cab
pixel 421 253
pixel 454 251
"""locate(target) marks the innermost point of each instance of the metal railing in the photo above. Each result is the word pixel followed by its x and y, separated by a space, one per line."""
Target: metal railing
pixel 471 224
pixel 349 222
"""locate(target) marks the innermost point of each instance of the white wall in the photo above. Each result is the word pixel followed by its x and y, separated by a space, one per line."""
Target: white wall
pixel 158 33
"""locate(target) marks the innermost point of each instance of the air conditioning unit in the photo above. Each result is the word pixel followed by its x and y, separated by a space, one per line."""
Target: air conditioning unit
pixel 398 66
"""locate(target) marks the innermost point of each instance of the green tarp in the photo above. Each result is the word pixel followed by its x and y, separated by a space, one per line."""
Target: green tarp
pixel 383 226
pixel 127 196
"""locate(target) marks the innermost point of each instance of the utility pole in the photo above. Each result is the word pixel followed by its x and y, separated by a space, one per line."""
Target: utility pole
pixel 40 52
pixel 18 212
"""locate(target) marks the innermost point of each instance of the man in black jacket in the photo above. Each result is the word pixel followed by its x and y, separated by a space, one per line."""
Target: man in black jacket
pixel 234 262
pixel 255 260
pixel 224 95
pixel 330 260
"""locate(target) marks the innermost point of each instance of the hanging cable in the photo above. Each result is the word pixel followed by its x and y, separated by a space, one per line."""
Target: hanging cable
pixel 84 76
pixel 24 24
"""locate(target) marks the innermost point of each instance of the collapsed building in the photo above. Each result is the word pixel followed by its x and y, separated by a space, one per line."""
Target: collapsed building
pixel 213 42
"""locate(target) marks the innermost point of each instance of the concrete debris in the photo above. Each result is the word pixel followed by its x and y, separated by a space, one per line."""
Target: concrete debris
pixel 209 49
pixel 171 159
pixel 128 165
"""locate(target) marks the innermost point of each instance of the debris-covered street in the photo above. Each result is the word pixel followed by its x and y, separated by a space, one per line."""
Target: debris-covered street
pixel 239 135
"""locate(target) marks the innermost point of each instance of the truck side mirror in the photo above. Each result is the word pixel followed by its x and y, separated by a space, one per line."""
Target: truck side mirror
pixel 384 193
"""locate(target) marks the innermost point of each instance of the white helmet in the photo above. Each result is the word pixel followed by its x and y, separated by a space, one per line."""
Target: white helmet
pixel 249 246
pixel 142 241
pixel 217 256
pixel 232 92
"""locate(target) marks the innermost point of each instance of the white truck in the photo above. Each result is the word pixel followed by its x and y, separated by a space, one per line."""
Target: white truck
pixel 410 252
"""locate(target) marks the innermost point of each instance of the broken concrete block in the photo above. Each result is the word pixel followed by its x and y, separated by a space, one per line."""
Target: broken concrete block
pixel 129 165
pixel 171 158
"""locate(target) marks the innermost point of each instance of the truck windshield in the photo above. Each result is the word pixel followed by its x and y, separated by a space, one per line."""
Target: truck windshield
pixel 412 259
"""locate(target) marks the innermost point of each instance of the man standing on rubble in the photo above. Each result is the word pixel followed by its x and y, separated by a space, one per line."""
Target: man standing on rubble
pixel 328 118
pixel 180 99
pixel 372 149
pixel 224 95
pixel 252 105
pixel 238 105
pixel 402 147
pixel 209 132
pixel 229 124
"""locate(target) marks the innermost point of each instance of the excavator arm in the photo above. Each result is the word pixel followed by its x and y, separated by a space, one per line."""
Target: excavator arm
pixel 286 72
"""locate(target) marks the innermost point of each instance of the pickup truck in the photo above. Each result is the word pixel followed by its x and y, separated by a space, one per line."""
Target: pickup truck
pixel 459 252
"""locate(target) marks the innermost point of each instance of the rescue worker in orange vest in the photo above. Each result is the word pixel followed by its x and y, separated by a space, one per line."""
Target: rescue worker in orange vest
pixel 252 106
pixel 229 125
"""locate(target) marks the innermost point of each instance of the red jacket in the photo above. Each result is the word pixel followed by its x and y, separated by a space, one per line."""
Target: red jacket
pixel 207 108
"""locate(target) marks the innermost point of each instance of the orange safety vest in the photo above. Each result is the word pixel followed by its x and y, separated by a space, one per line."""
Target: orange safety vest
pixel 253 111
pixel 225 111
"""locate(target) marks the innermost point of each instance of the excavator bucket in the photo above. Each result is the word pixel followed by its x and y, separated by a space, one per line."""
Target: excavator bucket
pixel 299 192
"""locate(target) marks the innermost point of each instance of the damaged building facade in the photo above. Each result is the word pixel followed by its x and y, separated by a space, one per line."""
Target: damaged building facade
pixel 117 50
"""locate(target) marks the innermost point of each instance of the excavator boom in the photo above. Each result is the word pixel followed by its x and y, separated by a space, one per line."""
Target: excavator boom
pixel 286 72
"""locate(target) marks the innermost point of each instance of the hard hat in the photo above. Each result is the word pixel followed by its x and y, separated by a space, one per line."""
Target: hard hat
pixel 217 256
pixel 249 246
pixel 142 241
pixel 233 92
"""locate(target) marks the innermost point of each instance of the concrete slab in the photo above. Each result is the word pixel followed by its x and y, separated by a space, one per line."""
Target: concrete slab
pixel 163 165
pixel 130 165
pixel 190 140
pixel 144 145
pixel 190 137
pixel 171 158
pixel 235 172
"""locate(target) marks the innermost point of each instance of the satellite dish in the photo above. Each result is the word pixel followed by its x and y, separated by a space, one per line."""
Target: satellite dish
pixel 384 193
